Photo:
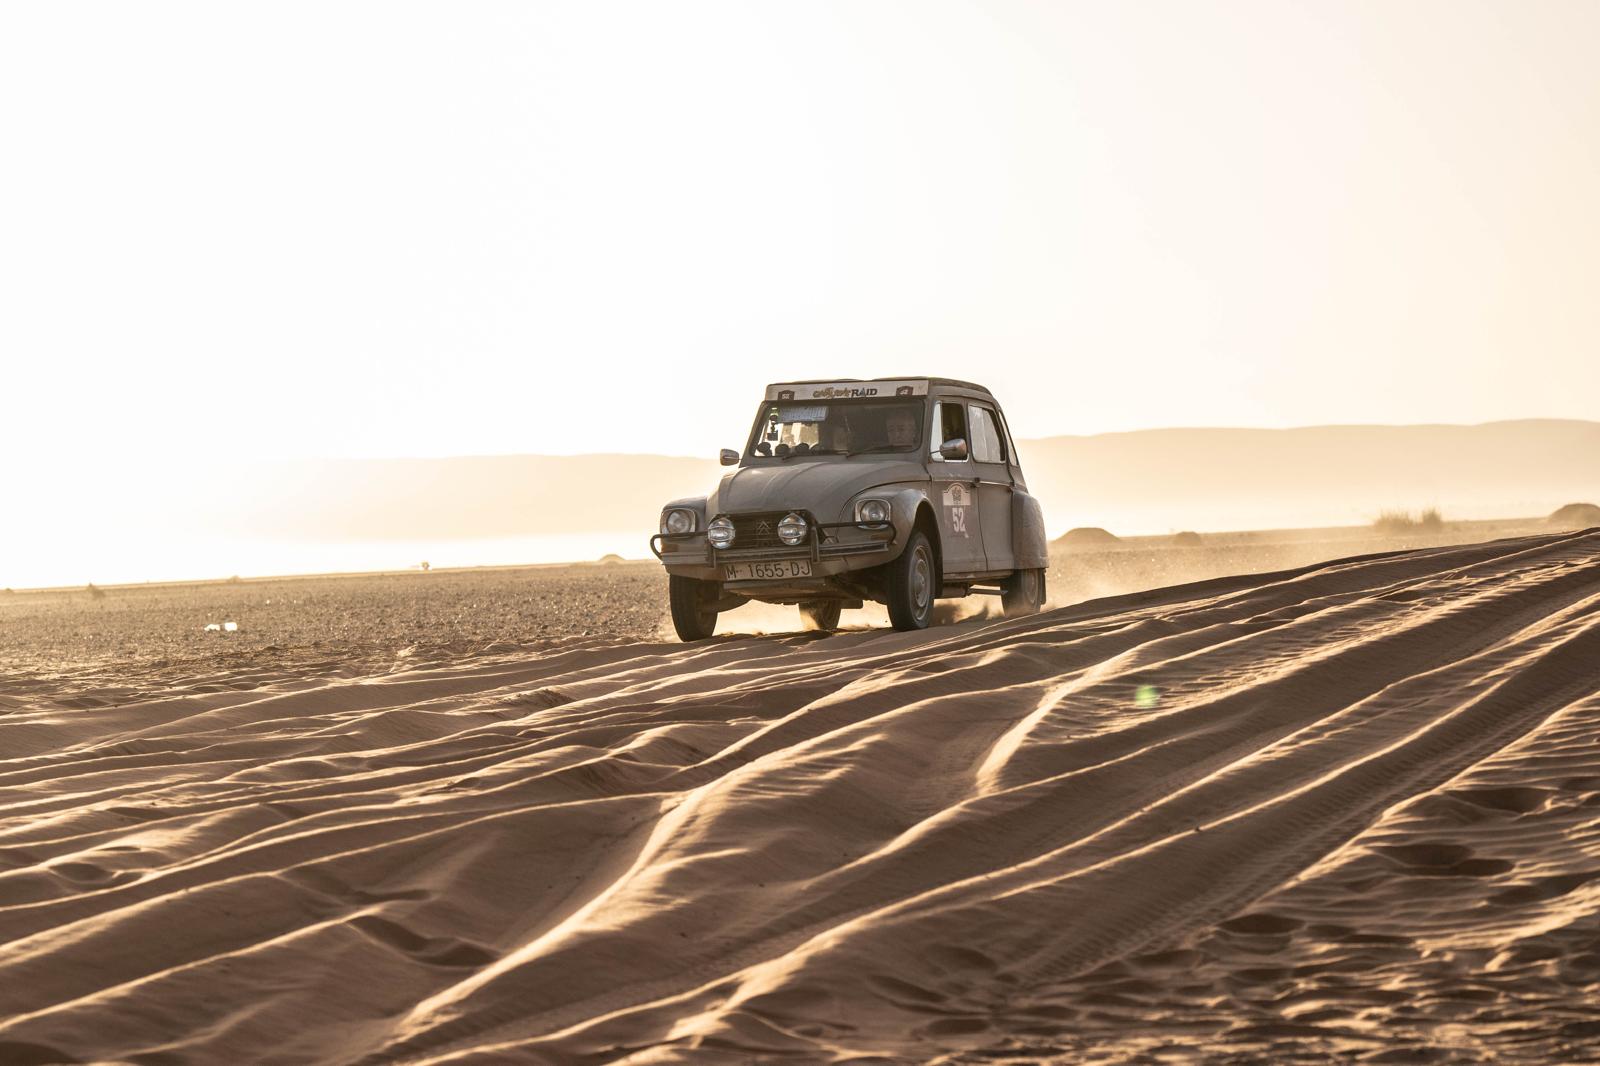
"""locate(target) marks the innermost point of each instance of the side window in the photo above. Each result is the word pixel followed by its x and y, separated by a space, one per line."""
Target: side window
pixel 987 444
pixel 1008 447
pixel 949 423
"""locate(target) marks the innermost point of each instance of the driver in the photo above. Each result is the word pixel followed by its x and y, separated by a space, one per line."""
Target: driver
pixel 901 428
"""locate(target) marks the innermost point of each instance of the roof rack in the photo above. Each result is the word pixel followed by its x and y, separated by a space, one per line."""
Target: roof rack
pixel 955 382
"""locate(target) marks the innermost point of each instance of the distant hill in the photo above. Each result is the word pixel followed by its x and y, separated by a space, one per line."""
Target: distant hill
pixel 1210 479
pixel 1152 481
pixel 454 498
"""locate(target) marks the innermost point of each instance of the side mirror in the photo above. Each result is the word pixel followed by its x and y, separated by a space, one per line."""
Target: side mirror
pixel 729 457
pixel 953 449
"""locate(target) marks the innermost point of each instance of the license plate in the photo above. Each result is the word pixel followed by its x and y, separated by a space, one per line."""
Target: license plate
pixel 773 571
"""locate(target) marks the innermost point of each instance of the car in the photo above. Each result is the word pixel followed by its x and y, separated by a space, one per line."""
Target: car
pixel 896 490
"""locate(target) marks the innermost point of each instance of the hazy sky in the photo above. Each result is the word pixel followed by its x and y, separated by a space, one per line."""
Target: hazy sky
pixel 401 229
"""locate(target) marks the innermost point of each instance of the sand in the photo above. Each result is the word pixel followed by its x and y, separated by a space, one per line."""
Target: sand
pixel 132 638
pixel 154 635
pixel 1348 810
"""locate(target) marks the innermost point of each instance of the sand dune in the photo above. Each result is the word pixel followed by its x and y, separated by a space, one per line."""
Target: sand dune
pixel 1351 809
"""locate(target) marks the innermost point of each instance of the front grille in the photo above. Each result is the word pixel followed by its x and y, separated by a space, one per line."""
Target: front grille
pixel 757 530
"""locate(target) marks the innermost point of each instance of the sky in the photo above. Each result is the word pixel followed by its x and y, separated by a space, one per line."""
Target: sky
pixel 400 229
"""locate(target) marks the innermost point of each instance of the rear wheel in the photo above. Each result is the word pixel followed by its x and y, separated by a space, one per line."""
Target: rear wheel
pixel 913 584
pixel 1023 593
pixel 694 614
pixel 822 615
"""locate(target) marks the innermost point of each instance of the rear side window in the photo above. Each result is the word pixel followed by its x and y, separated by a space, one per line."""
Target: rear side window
pixel 988 444
pixel 1008 443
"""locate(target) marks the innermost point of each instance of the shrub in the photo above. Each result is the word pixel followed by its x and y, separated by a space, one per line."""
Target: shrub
pixel 1395 522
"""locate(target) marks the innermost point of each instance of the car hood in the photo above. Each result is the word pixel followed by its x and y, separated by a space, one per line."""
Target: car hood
pixel 821 486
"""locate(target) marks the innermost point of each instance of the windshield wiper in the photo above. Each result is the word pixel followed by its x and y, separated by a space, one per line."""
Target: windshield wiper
pixel 812 451
pixel 878 448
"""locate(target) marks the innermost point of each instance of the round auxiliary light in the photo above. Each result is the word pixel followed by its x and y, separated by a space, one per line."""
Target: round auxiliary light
pixel 720 531
pixel 875 511
pixel 792 530
pixel 678 521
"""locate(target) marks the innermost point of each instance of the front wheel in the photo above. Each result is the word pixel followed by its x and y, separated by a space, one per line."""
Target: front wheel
pixel 694 614
pixel 913 584
pixel 1023 593
pixel 821 615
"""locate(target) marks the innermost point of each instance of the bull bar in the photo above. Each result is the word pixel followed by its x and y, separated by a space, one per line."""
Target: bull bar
pixel 818 544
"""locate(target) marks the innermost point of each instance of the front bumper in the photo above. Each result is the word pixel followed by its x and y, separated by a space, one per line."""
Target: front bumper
pixel 833 548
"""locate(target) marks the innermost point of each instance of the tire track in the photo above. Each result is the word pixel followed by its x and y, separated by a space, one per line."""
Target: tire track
pixel 893 844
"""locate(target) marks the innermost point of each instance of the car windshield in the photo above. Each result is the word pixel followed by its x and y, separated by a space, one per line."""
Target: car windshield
pixel 790 430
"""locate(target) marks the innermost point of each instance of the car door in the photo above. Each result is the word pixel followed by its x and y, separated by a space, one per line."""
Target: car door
pixel 991 465
pixel 954 492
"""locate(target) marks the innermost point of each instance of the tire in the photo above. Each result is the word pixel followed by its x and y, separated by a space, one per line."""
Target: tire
pixel 821 615
pixel 1023 593
pixel 693 615
pixel 913 584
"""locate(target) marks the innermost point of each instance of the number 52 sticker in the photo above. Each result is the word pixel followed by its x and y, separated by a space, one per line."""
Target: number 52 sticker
pixel 957 497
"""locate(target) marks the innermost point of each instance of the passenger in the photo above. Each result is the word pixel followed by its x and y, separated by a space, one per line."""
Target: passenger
pixel 838 437
pixel 902 428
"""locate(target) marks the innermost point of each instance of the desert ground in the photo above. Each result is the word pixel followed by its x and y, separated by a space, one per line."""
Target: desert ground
pixel 73 639
pixel 1261 798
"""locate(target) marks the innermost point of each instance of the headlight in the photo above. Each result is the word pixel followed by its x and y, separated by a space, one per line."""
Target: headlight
pixel 878 512
pixel 792 530
pixel 720 531
pixel 677 520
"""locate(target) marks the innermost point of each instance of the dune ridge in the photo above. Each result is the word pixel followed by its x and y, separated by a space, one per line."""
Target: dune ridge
pixel 1352 808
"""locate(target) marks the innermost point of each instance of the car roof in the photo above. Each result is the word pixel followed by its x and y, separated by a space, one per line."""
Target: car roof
pixel 952 382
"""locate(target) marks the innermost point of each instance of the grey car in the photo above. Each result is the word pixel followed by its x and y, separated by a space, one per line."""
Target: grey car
pixel 898 490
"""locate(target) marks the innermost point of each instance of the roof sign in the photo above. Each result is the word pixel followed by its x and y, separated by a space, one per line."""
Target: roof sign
pixel 847 390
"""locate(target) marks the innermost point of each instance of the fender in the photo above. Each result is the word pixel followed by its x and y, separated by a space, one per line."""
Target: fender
pixel 697 504
pixel 1028 541
pixel 903 500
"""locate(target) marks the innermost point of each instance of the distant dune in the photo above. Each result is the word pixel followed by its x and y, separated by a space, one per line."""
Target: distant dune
pixel 1087 537
pixel 1576 516
pixel 1153 481
pixel 1335 813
